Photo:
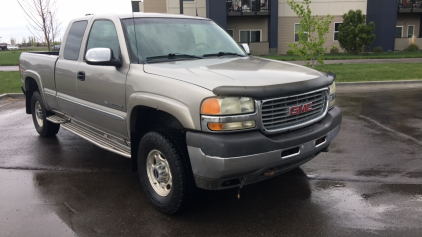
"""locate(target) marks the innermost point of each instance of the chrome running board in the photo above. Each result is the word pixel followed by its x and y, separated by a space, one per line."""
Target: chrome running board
pixel 101 141
pixel 57 119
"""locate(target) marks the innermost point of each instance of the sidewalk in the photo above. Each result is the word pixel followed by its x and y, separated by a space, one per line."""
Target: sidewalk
pixel 9 68
pixel 351 61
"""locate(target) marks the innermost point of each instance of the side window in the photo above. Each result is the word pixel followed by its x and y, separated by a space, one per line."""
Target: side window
pixel 74 40
pixel 103 35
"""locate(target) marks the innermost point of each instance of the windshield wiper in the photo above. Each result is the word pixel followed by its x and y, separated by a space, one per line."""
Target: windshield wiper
pixel 219 54
pixel 173 56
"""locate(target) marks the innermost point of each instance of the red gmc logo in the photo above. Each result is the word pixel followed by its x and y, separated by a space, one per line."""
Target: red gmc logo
pixel 300 109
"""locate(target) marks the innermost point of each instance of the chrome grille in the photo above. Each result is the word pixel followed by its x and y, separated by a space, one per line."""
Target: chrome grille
pixel 275 113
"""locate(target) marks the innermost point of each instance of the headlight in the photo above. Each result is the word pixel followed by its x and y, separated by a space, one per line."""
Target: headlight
pixel 228 106
pixel 228 114
pixel 332 95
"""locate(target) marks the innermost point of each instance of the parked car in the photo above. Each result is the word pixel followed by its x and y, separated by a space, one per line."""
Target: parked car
pixel 12 47
pixel 56 47
pixel 181 99
pixel 3 46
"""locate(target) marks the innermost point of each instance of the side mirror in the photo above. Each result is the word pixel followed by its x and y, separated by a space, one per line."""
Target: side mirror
pixel 246 48
pixel 102 56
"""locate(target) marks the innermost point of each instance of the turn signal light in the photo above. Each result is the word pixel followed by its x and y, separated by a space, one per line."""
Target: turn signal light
pixel 211 106
pixel 231 126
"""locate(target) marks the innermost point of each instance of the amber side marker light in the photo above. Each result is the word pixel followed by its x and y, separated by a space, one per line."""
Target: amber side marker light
pixel 211 106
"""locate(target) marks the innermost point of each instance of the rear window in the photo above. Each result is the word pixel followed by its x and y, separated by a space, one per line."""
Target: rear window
pixel 74 40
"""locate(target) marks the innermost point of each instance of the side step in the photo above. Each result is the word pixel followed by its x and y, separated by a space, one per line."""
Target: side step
pixel 97 139
pixel 58 120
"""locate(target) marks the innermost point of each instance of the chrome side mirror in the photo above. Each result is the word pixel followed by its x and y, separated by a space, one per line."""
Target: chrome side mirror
pixel 102 56
pixel 246 48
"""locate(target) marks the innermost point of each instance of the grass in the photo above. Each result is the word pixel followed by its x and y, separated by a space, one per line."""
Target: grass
pixel 339 56
pixel 374 71
pixel 11 57
pixel 10 82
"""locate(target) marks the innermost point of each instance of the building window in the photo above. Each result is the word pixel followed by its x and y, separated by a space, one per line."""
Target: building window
pixel 297 27
pixel 250 36
pixel 336 25
pixel 230 32
pixel 399 31
pixel 410 31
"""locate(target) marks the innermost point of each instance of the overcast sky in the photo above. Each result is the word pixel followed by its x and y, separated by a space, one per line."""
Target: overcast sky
pixel 13 19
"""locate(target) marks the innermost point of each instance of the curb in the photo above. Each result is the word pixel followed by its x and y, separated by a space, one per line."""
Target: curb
pixel 368 83
pixel 12 96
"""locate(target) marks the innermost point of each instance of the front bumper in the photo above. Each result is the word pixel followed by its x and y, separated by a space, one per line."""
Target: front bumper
pixel 222 161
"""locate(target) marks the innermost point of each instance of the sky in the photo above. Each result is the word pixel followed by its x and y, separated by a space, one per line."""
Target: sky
pixel 13 21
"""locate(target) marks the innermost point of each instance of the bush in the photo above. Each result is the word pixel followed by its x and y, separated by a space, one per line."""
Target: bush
pixel 290 52
pixel 334 49
pixel 378 49
pixel 390 51
pixel 355 33
pixel 412 48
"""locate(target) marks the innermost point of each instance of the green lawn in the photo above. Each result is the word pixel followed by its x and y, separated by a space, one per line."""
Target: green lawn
pixel 374 71
pixel 11 57
pixel 10 82
pixel 339 56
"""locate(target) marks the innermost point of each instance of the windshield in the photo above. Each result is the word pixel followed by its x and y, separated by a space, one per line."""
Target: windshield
pixel 163 38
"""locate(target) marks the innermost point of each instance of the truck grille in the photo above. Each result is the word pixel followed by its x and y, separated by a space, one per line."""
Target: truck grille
pixel 276 114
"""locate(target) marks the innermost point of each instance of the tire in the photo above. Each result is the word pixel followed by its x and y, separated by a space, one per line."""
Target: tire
pixel 39 116
pixel 169 145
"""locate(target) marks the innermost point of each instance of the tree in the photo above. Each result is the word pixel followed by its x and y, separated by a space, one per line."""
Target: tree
pixel 12 41
pixel 354 33
pixel 311 32
pixel 42 20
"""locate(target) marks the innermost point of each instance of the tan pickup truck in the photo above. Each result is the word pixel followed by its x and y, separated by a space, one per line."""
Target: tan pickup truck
pixel 181 99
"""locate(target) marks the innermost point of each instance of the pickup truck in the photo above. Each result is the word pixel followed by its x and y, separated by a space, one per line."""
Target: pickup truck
pixel 179 97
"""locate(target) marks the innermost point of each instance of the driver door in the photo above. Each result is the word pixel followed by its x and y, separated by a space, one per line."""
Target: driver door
pixel 102 89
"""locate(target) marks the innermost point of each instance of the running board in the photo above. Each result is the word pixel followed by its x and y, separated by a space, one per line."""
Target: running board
pixel 97 139
pixel 57 120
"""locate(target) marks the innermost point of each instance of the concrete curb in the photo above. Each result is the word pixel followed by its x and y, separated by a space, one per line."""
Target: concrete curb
pixel 12 96
pixel 367 83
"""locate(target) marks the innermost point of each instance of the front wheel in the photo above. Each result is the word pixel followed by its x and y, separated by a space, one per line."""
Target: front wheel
pixel 164 170
pixel 39 115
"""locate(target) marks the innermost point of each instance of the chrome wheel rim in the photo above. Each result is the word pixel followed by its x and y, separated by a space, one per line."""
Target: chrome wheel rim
pixel 38 114
pixel 159 174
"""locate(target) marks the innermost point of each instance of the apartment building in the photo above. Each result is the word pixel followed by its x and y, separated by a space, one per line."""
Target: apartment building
pixel 268 25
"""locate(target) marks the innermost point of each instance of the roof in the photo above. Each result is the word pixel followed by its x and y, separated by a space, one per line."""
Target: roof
pixel 139 15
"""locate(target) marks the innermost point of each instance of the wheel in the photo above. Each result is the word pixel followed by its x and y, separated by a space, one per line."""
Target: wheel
pixel 165 171
pixel 39 116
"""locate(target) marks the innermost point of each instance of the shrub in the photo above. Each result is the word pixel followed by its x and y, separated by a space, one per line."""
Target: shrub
pixel 412 48
pixel 334 49
pixel 390 51
pixel 290 52
pixel 355 33
pixel 378 49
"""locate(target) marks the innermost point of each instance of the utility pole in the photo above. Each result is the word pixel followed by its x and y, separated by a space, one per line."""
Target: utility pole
pixel 181 6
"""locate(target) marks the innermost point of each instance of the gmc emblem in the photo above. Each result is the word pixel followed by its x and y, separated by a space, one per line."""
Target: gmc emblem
pixel 300 109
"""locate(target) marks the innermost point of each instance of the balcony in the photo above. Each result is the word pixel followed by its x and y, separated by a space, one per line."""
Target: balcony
pixel 248 7
pixel 409 6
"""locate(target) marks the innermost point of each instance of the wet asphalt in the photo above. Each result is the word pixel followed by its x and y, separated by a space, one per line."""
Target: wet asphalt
pixel 368 184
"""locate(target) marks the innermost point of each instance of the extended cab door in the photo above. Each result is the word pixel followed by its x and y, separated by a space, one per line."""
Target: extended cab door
pixel 102 90
pixel 67 67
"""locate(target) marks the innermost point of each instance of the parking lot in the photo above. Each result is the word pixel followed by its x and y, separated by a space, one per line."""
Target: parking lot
pixel 369 183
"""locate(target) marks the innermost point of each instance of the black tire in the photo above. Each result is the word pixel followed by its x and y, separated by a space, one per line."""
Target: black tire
pixel 46 129
pixel 172 144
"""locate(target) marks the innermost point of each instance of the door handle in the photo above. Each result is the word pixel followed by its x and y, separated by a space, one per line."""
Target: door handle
pixel 81 76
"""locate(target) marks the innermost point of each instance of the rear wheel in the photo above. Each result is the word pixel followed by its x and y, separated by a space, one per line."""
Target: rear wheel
pixel 39 116
pixel 164 170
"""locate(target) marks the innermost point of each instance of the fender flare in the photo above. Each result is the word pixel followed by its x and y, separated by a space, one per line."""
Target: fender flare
pixel 34 75
pixel 176 108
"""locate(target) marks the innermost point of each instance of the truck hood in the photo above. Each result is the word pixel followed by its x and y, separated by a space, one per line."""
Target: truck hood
pixel 235 72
